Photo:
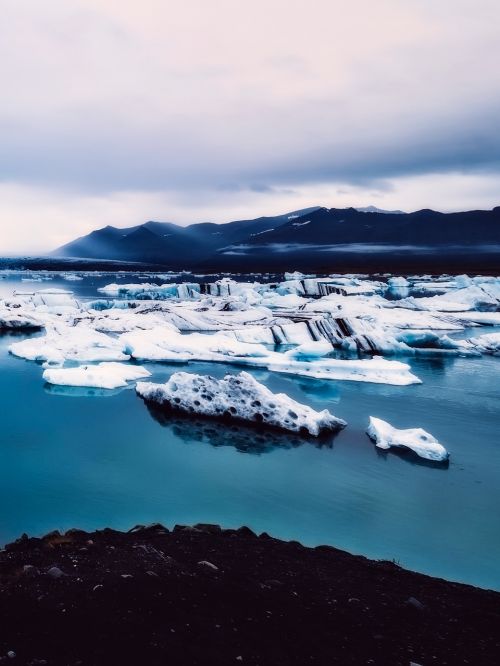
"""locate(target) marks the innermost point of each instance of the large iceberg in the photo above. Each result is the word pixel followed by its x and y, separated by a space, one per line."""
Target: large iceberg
pixel 102 375
pixel 417 440
pixel 237 397
pixel 307 360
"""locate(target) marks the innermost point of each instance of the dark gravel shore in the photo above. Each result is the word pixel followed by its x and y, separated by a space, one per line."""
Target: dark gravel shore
pixel 209 596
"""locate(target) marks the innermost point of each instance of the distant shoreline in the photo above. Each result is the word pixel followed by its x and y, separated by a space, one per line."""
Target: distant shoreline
pixel 370 263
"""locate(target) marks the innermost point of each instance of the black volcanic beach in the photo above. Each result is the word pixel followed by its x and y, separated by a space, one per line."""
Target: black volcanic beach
pixel 203 595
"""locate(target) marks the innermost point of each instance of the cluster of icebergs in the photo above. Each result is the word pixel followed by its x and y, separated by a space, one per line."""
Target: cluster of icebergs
pixel 298 326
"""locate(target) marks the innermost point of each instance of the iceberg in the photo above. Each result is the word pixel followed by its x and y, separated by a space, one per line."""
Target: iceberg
pixel 488 344
pixel 11 320
pixel 151 292
pixel 103 375
pixel 417 440
pixel 398 282
pixel 57 301
pixel 166 345
pixel 73 343
pixel 240 398
pixel 476 297
pixel 310 350
pixel 375 370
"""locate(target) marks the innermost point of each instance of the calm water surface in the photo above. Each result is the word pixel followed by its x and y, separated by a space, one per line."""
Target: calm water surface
pixel 76 457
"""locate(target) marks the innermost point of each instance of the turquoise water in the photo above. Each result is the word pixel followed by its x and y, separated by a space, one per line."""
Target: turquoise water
pixel 80 458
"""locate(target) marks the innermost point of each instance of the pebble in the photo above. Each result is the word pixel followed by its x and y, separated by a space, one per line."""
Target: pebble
pixel 11 654
pixel 30 570
pixel 415 603
pixel 55 572
pixel 208 565
pixel 273 582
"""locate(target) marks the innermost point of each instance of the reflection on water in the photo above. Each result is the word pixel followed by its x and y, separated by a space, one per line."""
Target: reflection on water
pixel 319 389
pixel 411 457
pixel 82 391
pixel 246 439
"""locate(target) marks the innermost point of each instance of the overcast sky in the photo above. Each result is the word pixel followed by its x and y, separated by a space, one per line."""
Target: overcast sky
pixel 120 111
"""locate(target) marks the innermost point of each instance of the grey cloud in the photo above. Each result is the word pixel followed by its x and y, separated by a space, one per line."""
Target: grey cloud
pixel 100 100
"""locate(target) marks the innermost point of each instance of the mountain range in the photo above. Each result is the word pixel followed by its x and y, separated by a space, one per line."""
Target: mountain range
pixel 311 238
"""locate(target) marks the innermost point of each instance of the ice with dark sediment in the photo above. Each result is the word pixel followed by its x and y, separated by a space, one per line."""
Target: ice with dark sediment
pixel 255 323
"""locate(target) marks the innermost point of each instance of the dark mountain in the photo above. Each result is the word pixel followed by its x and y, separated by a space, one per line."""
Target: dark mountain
pixel 423 227
pixel 169 244
pixel 313 239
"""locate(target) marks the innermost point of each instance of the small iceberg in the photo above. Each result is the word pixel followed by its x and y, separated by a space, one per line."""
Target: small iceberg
pixel 416 439
pixel 240 398
pixel 10 320
pixel 103 375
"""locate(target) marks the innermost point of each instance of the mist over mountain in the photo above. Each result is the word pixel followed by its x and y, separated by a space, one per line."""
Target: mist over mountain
pixel 313 238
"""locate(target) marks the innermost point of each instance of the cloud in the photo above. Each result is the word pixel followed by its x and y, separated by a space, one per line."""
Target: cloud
pixel 244 104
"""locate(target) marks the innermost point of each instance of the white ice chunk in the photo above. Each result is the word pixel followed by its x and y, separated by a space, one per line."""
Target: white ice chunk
pixel 166 345
pixel 52 300
pixel 418 440
pixel 10 319
pixel 148 291
pixel 489 343
pixel 475 297
pixel 75 343
pixel 398 282
pixel 240 397
pixel 103 375
pixel 310 350
pixel 163 344
pixel 375 370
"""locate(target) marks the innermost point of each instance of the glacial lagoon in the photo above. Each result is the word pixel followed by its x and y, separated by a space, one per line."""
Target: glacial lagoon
pixel 93 458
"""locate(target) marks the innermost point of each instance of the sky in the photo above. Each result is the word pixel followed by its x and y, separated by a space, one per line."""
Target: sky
pixel 121 111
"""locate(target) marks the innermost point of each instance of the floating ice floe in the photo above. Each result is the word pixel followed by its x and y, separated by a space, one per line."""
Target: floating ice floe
pixel 56 301
pixel 487 344
pixel 398 282
pixel 69 343
pixel 13 320
pixel 308 361
pixel 155 292
pixel 123 320
pixel 484 296
pixel 237 397
pixel 103 375
pixel 417 440
pixel 375 370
